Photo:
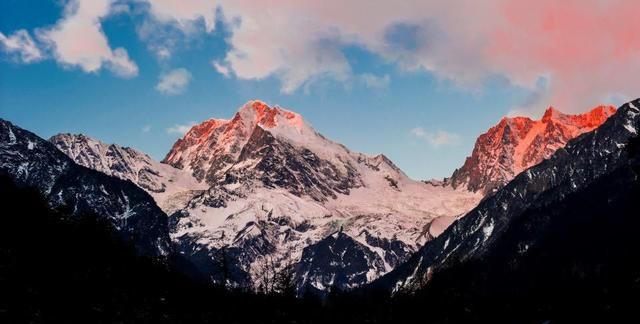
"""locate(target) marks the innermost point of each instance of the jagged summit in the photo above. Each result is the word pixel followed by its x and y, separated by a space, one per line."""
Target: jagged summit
pixel 211 149
pixel 160 180
pixel 269 117
pixel 517 143
pixel 551 113
pixel 591 119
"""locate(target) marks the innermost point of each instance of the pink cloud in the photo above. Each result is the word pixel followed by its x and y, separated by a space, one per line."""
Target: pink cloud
pixel 78 40
pixel 587 50
pixel 185 12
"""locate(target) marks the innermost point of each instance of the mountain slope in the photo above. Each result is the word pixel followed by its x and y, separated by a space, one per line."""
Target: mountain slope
pixel 278 187
pixel 584 260
pixel 32 161
pixel 571 169
pixel 166 184
pixel 516 144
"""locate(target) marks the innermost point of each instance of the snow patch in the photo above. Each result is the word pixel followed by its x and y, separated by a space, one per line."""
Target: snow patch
pixel 630 128
pixel 487 230
pixel 12 137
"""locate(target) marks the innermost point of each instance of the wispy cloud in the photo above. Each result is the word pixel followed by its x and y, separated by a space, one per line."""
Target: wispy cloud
pixel 436 138
pixel 174 82
pixel 185 13
pixel 180 129
pixel 221 68
pixel 375 82
pixel 22 45
pixel 146 128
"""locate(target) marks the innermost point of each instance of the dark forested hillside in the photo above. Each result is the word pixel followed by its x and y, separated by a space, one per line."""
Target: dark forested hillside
pixel 586 260
pixel 60 269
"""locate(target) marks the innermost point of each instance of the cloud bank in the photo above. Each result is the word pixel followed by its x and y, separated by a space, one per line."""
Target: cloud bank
pixel 584 51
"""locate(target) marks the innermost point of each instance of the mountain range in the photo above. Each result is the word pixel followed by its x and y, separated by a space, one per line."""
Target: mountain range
pixel 518 218
pixel 247 199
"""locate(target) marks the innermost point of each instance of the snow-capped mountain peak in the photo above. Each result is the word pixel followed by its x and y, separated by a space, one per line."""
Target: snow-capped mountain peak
pixel 258 112
pixel 517 143
pixel 551 113
pixel 216 147
pixel 216 144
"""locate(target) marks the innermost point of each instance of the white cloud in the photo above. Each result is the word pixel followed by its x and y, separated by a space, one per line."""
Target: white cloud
pixel 436 139
pixel 174 82
pixel 120 8
pixel 375 82
pixel 78 40
pixel 22 44
pixel 121 65
pixel 221 68
pixel 185 13
pixel 146 128
pixel 163 53
pixel 180 129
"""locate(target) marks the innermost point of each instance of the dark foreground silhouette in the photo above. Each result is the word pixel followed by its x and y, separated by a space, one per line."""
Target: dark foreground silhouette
pixel 60 269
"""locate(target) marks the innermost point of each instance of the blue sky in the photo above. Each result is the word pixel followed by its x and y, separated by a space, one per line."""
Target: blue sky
pixel 372 98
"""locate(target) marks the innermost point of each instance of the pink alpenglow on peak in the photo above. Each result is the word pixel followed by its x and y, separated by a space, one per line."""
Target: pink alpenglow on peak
pixel 589 120
pixel 216 144
pixel 518 143
pixel 270 117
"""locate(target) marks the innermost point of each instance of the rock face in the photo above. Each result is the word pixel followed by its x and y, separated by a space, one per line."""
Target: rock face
pixel 572 169
pixel 349 262
pixel 278 190
pixel 32 161
pixel 516 144
pixel 164 183
pixel 275 144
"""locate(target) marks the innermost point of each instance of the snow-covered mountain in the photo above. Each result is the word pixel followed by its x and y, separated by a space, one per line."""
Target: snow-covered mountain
pixel 279 188
pixel 516 144
pixel 264 188
pixel 166 184
pixel 34 162
pixel 581 163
